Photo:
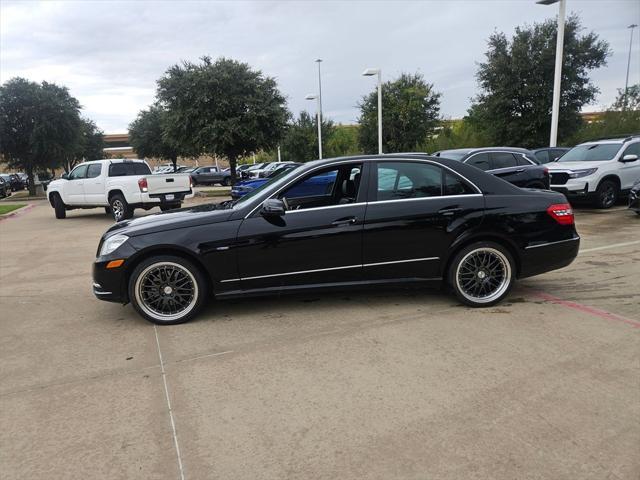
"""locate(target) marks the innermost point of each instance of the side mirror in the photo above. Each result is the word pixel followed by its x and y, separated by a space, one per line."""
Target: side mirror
pixel 65 176
pixel 272 208
pixel 629 158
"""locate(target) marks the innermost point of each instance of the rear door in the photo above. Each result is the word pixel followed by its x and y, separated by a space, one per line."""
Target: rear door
pixel 415 212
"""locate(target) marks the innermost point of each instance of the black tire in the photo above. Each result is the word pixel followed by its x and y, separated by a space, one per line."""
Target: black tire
pixel 226 181
pixel 59 207
pixel 606 194
pixel 475 268
pixel 120 209
pixel 167 273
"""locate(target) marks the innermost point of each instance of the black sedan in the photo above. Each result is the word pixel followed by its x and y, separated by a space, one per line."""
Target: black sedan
pixel 378 220
pixel 515 165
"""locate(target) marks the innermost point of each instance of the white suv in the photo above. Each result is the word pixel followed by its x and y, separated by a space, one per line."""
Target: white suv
pixel 598 171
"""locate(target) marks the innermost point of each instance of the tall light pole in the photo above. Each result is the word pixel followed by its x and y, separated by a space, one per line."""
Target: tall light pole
pixel 626 82
pixel 555 108
pixel 317 97
pixel 368 73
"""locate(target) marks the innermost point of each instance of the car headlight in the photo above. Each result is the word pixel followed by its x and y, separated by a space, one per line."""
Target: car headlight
pixel 112 243
pixel 582 173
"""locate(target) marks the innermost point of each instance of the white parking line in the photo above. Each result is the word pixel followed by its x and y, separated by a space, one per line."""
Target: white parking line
pixel 607 247
pixel 166 393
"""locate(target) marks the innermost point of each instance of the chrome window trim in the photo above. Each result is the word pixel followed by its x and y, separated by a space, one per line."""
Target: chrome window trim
pixel 301 272
pixel 574 239
pixel 468 195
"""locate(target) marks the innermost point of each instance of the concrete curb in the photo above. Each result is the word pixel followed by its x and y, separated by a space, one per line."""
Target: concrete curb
pixel 17 213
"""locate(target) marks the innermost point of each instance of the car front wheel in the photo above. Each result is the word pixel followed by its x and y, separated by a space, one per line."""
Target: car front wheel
pixel 482 274
pixel 606 194
pixel 167 290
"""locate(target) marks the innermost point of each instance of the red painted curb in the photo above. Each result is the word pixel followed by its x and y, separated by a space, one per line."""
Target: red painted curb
pixel 17 213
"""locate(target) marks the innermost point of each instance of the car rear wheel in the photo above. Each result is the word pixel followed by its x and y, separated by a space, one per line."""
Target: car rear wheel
pixel 59 207
pixel 120 209
pixel 167 290
pixel 606 194
pixel 482 274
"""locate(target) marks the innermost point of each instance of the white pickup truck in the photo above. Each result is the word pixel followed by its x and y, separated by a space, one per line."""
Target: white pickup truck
pixel 120 186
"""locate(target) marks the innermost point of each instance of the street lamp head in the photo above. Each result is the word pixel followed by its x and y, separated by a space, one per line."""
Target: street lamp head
pixel 371 71
pixel 311 96
pixel 547 2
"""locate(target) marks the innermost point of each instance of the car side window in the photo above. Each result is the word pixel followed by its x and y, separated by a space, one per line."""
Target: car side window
pixel 503 160
pixel 94 170
pixel 454 185
pixel 479 160
pixel 633 149
pixel 400 180
pixel 78 172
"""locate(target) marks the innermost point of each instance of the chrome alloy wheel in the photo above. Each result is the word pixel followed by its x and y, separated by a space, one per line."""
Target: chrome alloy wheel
pixel 118 210
pixel 166 291
pixel 483 275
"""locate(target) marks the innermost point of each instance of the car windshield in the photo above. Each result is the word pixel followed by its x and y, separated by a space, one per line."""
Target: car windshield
pixel 273 182
pixel 591 153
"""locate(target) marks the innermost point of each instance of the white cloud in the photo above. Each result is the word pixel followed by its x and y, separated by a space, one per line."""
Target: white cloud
pixel 110 54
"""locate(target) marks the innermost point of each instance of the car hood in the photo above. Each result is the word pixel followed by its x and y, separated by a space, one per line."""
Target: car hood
pixel 179 218
pixel 575 165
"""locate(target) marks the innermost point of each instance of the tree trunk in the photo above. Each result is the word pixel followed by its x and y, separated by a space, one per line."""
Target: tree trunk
pixel 32 185
pixel 232 169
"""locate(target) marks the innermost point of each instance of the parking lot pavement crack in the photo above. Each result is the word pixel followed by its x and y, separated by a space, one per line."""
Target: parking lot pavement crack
pixel 168 399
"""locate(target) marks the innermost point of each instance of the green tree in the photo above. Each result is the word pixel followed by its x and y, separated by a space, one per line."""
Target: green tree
pixel 148 137
pixel 514 107
pixel 300 142
pixel 223 107
pixel 40 126
pixel 410 110
pixel 619 119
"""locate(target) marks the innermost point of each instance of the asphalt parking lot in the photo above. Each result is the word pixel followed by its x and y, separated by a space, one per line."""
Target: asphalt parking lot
pixel 393 384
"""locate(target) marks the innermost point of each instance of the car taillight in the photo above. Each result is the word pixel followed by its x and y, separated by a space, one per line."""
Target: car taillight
pixel 561 213
pixel 142 184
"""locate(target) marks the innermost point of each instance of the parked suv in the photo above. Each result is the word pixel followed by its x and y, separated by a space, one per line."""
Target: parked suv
pixel 598 171
pixel 515 165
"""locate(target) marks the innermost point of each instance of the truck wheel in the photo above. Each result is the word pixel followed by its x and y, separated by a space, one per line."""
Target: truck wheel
pixel 606 194
pixel 482 274
pixel 59 207
pixel 120 209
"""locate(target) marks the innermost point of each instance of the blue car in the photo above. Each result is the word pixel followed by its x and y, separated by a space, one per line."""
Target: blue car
pixel 240 189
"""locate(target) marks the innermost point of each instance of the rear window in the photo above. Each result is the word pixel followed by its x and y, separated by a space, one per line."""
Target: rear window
pixel 126 169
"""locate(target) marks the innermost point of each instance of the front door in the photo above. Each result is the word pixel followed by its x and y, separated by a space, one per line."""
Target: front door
pixel 74 188
pixel 317 241
pixel 417 210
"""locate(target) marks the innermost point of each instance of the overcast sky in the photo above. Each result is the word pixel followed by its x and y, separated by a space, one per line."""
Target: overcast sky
pixel 110 54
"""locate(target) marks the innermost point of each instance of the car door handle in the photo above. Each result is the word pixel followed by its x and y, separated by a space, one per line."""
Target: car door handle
pixel 449 211
pixel 344 221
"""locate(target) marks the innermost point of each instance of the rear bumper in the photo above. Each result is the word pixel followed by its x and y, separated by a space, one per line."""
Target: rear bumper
pixel 541 258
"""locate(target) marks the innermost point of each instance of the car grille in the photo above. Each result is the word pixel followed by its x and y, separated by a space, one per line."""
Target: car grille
pixel 559 178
